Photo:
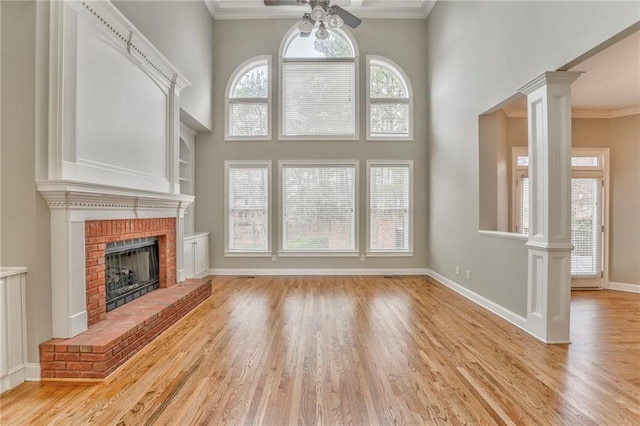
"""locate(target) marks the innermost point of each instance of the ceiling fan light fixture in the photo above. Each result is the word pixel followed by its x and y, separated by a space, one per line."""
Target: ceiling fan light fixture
pixel 318 13
pixel 322 32
pixel 335 21
pixel 306 25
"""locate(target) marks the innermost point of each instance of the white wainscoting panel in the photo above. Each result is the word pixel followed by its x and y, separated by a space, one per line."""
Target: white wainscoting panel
pixel 13 327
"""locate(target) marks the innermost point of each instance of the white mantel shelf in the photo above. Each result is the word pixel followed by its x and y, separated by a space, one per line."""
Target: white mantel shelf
pixel 70 195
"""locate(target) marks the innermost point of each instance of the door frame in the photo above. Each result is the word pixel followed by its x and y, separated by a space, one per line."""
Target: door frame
pixel 602 170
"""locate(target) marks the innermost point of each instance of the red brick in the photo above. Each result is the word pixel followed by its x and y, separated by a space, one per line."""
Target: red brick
pixel 47 374
pixel 46 356
pixel 53 365
pixel 67 356
pixel 92 375
pixel 93 357
pixel 99 366
pixel 79 366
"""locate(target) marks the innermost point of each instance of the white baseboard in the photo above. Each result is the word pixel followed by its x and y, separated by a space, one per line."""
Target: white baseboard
pixel 363 271
pixel 32 372
pixel 12 379
pixel 631 288
pixel 493 307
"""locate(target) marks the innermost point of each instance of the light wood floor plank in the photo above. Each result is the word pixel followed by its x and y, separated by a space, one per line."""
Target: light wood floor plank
pixel 359 350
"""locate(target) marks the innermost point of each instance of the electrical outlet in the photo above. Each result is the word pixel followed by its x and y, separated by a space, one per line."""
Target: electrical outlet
pixel 273 258
pixel 457 270
pixel 362 258
pixel 468 274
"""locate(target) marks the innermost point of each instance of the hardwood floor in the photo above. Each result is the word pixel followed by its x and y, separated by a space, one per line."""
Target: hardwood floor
pixel 359 350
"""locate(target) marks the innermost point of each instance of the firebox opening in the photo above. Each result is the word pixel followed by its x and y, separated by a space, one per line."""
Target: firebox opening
pixel 131 270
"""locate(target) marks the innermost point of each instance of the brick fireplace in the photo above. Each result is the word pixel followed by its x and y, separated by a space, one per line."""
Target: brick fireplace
pixel 89 342
pixel 100 232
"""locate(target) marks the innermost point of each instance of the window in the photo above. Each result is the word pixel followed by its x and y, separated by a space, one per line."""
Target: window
pixel 390 215
pixel 248 101
pixel 319 90
pixel 248 208
pixel 318 208
pixel 390 101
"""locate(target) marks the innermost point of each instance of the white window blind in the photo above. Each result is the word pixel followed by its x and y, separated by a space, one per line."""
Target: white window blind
pixel 389 204
pixel 318 208
pixel 318 98
pixel 248 102
pixel 248 208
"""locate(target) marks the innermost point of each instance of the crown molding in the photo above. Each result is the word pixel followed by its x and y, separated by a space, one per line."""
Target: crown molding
pixel 594 113
pixel 251 10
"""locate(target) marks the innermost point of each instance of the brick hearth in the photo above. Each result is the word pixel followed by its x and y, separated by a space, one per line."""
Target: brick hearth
pixel 108 344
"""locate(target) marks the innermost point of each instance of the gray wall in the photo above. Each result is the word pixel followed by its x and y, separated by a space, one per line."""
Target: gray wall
pixel 236 41
pixel 182 31
pixel 479 53
pixel 24 215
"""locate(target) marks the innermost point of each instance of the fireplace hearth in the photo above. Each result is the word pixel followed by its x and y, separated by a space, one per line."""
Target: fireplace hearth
pixel 131 270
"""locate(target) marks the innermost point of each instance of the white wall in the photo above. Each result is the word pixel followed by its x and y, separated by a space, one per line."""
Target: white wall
pixel 235 41
pixel 479 53
pixel 183 32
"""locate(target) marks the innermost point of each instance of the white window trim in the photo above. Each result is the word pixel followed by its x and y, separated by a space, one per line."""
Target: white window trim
pixel 244 253
pixel 407 83
pixel 293 32
pixel 390 253
pixel 320 163
pixel 239 72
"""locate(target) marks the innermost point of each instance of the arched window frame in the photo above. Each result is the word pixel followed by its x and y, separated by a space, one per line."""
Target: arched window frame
pixel 286 40
pixel 238 74
pixel 373 60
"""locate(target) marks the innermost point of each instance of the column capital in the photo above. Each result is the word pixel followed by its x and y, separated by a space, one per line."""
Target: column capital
pixel 550 77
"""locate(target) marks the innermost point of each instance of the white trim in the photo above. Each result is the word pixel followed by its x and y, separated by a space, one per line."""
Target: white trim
pixel 243 10
pixel 593 113
pixel 356 205
pixel 409 250
pixel 286 40
pixel 507 235
pixel 248 164
pixel 383 253
pixel 289 272
pixel 502 312
pixel 404 79
pixel 239 72
pixel 630 288
pixel 32 372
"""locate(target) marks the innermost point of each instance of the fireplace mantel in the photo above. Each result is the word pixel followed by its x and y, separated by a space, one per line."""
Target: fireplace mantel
pixel 86 200
pixel 71 205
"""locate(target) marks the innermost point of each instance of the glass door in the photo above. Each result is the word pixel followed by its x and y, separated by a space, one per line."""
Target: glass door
pixel 586 232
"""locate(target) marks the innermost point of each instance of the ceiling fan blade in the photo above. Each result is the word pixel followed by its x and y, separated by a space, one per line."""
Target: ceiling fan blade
pixel 281 2
pixel 348 18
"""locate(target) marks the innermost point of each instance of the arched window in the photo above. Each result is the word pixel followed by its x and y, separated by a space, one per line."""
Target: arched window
pixel 319 90
pixel 389 101
pixel 248 101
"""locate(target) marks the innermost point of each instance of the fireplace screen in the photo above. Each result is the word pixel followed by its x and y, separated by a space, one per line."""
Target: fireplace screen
pixel 131 270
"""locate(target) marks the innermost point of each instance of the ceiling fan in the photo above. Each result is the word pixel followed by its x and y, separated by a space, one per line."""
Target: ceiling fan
pixel 321 12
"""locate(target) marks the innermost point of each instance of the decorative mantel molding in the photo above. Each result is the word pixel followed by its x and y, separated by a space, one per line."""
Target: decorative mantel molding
pixel 69 195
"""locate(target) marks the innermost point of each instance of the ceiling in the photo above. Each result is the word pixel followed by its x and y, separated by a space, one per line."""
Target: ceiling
pixel 609 87
pixel 255 9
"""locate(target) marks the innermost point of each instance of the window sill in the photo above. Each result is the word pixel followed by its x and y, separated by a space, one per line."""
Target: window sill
pixel 247 254
pixel 389 139
pixel 248 139
pixel 390 253
pixel 346 138
pixel 318 254
pixel 506 235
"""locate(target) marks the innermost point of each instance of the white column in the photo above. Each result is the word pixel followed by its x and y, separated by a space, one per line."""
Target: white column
pixel 68 274
pixel 549 258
